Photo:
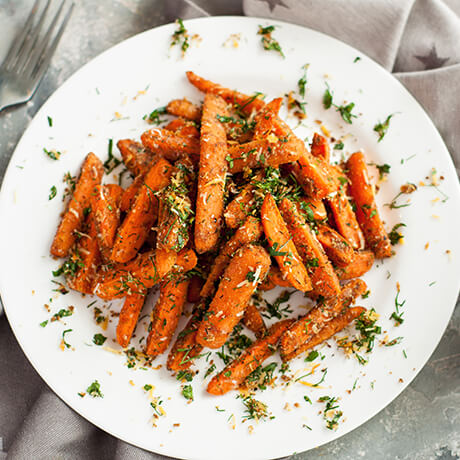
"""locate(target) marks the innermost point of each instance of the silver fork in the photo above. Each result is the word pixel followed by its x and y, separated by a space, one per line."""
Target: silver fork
pixel 30 54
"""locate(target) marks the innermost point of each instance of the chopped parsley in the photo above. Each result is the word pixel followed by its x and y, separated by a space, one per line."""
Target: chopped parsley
pixel 346 111
pixel 393 342
pixel 185 375
pixel 331 414
pixel 53 192
pixel 53 154
pixel 383 169
pixel 147 387
pixel 50 122
pixel 62 313
pixel 381 128
pixel 180 37
pixel 154 117
pixel 357 58
pixel 187 392
pixel 275 309
pixel 339 146
pixel 261 377
pixel 302 83
pixel 394 235
pixel 311 356
pixel 327 97
pixel 112 162
pixel 307 399
pixel 268 42
pixel 94 390
pixel 273 250
pixel 44 323
pixel 210 370
pixel 70 267
pixel 255 410
pixel 397 315
pixel 99 339
pixel 67 345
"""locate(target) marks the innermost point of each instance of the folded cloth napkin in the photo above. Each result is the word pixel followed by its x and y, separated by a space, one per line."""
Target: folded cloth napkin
pixel 417 39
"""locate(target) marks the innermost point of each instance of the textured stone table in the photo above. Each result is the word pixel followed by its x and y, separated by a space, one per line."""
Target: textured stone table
pixel 424 421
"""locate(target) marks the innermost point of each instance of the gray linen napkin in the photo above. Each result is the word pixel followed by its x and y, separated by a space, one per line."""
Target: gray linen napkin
pixel 417 39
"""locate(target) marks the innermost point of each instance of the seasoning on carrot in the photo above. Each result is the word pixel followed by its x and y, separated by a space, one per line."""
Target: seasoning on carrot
pixel 253 320
pixel 135 156
pixel 362 263
pixel 129 314
pixel 185 109
pixel 335 245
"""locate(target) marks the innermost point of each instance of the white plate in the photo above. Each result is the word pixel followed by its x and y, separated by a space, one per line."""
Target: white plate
pixel 82 110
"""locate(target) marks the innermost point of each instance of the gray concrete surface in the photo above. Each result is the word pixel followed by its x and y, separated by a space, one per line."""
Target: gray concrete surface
pixel 424 421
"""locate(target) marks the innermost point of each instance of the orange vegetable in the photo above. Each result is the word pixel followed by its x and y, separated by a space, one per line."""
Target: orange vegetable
pixel 317 207
pixel 185 109
pixel 249 232
pixel 185 348
pixel 140 218
pixel 322 275
pixel 309 325
pixel 247 268
pixel 236 372
pixel 129 194
pixel 362 263
pixel 265 118
pixel 90 176
pixel 135 156
pixel 283 248
pixel 166 314
pixel 253 320
pixel 211 175
pixel 328 330
pixel 366 210
pixel 320 147
pixel 105 206
pixel 273 279
pixel 129 314
pixel 88 257
pixel 245 103
pixel 335 246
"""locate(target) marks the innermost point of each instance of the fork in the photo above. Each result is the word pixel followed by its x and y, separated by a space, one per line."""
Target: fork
pixel 30 54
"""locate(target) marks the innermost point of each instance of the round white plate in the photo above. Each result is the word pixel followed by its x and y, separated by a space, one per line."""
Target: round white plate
pixel 86 112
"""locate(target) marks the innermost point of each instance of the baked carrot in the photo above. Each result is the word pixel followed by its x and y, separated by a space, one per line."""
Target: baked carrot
pixel 265 118
pixel 169 144
pixel 245 103
pixel 140 218
pixel 253 320
pixel 105 206
pixel 211 175
pixel 129 314
pixel 309 325
pixel 175 124
pixel 320 147
pixel 90 176
pixel 185 109
pixel 240 207
pixel 366 210
pixel 335 245
pixel 345 219
pixel 233 375
pixel 129 194
pixel 274 278
pixel 270 151
pixel 282 247
pixel 166 314
pixel 322 275
pixel 247 268
pixel 249 232
pixel 328 330
pixel 362 263
pixel 87 258
pixel 185 348
pixel 194 289
pixel 316 209
pixel 135 156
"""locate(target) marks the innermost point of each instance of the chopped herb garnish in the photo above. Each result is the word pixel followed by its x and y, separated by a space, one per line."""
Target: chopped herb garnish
pixel 383 169
pixel 331 414
pixel 53 192
pixel 147 387
pixel 397 314
pixel 112 162
pixel 327 97
pixel 302 83
pixel 154 117
pixel 268 42
pixel 62 313
pixel 44 323
pixel 394 342
pixel 185 375
pixel 394 235
pixel 70 267
pixel 187 392
pixel 275 309
pixel 67 345
pixel 261 377
pixel 94 390
pixel 50 121
pixel 99 339
pixel 311 356
pixel 210 370
pixel 273 250
pixel 345 110
pixel 339 146
pixel 357 58
pixel 181 37
pixel 382 128
pixel 255 410
pixel 53 154
pixel 307 399
pixel 366 294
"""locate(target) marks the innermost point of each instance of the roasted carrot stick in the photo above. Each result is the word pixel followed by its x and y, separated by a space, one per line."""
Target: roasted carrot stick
pixel 185 109
pixel 345 219
pixel 249 232
pixel 185 347
pixel 283 249
pixel 253 320
pixel 366 210
pixel 362 263
pixel 328 330
pixel 166 314
pixel 140 218
pixel 90 176
pixel 105 206
pixel 247 268
pixel 274 278
pixel 335 245
pixel 320 147
pixel 87 257
pixel 265 118
pixel 135 156
pixel 129 194
pixel 309 325
pixel 269 151
pixel 194 289
pixel 322 275
pixel 129 314
pixel 240 207
pixel 211 175
pixel 169 144
pixel 246 104
pixel 236 372
pixel 312 208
